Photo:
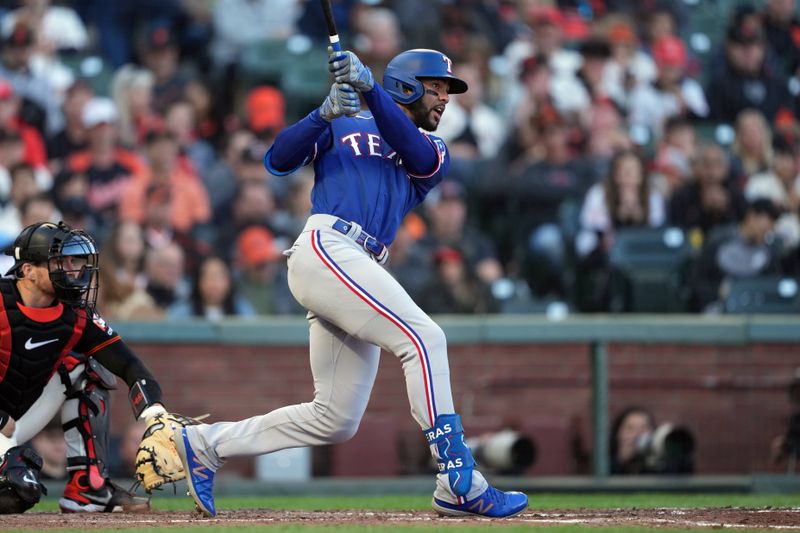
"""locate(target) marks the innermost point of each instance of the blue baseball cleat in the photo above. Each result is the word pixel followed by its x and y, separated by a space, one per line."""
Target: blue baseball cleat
pixel 492 503
pixel 199 478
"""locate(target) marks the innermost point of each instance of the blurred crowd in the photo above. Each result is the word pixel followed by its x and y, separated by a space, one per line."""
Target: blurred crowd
pixel 146 121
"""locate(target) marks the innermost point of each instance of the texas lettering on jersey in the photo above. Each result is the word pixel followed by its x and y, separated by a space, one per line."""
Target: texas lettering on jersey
pixel 365 144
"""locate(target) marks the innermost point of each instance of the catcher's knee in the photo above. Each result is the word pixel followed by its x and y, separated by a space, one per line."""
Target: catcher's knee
pixel 20 487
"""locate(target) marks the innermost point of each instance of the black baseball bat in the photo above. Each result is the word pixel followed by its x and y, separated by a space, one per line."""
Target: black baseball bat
pixel 333 35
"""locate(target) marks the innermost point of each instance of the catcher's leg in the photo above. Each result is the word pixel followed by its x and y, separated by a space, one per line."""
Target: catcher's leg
pixel 36 418
pixel 84 418
pixel 18 464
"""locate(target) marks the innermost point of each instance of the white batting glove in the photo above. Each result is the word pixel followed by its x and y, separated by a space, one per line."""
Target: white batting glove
pixel 347 68
pixel 342 100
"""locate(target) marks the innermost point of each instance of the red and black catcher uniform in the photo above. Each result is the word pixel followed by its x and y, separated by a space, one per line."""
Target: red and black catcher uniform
pixel 62 358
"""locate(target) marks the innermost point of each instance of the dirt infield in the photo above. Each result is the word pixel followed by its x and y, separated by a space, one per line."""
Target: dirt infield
pixel 731 517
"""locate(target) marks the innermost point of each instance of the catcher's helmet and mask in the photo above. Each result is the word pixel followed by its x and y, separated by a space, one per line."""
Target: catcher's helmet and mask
pixel 74 284
pixel 405 72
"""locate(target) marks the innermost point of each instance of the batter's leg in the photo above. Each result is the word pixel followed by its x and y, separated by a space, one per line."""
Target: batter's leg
pixel 361 297
pixel 344 370
pixel 372 305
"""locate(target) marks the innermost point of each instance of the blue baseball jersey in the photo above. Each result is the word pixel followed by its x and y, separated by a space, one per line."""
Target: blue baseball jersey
pixel 360 178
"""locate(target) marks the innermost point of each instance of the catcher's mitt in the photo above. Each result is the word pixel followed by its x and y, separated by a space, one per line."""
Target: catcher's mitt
pixel 157 460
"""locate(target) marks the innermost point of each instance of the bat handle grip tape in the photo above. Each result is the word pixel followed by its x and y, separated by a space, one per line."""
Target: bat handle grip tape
pixel 337 47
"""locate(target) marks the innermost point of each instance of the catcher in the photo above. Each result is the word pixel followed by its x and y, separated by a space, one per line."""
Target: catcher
pixel 57 353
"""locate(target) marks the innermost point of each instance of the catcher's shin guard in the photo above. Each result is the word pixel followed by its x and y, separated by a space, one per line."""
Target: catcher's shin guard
pixel 85 422
pixel 446 439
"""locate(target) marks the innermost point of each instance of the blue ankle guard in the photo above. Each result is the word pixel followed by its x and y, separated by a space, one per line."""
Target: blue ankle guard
pixel 452 453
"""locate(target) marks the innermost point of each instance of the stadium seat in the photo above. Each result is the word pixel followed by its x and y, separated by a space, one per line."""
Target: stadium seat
pixel 569 218
pixel 298 70
pixel 705 35
pixel 647 269
pixel 705 130
pixel 264 63
pixel 305 82
pixel 569 214
pixel 717 132
pixel 768 294
pixel 90 67
pixel 554 309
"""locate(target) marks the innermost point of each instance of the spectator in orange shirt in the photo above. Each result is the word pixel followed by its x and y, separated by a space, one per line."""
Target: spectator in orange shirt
pixel 189 206
pixel 107 166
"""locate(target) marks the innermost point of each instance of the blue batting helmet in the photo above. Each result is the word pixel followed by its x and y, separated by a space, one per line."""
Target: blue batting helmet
pixel 403 73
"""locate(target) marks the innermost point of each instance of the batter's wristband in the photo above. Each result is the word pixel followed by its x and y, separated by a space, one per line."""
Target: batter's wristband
pixel 142 395
pixel 4 418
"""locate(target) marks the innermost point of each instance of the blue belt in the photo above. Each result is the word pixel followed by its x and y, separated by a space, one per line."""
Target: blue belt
pixel 372 245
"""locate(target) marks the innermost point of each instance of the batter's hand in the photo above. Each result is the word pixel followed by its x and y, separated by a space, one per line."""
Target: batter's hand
pixel 347 68
pixel 342 100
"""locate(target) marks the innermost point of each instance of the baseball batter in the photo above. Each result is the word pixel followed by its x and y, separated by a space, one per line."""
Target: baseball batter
pixel 371 168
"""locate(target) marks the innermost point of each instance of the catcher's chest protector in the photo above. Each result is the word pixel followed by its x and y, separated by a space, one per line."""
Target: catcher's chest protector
pixel 31 350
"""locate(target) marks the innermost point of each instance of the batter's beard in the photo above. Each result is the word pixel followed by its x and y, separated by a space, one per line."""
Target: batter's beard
pixel 422 116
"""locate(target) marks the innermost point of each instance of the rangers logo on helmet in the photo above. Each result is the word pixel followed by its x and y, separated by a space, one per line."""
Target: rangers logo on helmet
pixel 403 74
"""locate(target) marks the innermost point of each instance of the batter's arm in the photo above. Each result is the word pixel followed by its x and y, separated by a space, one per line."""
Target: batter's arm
pixel 419 155
pixel 298 144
